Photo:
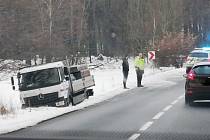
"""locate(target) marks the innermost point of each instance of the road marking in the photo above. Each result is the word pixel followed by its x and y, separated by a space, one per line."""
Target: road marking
pixel 167 108
pixel 134 136
pixel 174 102
pixel 157 116
pixel 180 97
pixel 146 126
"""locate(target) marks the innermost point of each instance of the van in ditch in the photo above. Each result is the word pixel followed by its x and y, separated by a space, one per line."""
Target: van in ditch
pixel 54 84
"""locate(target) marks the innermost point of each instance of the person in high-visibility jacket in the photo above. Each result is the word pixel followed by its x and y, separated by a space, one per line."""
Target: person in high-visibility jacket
pixel 139 66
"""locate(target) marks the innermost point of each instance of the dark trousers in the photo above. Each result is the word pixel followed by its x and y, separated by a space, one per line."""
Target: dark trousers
pixel 139 74
pixel 125 77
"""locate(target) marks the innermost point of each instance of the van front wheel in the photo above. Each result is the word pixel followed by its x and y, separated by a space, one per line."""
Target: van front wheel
pixel 66 102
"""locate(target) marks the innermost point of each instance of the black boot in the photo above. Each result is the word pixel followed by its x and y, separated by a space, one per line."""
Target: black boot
pixel 124 84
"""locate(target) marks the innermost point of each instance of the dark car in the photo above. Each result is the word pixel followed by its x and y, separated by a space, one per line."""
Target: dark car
pixel 197 85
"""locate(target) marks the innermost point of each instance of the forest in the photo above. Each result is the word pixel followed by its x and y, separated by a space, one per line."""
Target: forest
pixel 72 28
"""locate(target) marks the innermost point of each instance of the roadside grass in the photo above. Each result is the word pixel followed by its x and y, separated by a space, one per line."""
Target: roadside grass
pixel 3 110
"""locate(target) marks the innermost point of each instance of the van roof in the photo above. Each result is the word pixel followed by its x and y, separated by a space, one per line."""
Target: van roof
pixel 53 65
pixel 41 67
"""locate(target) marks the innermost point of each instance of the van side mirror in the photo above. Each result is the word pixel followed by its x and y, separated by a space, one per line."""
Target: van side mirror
pixel 18 75
pixel 13 83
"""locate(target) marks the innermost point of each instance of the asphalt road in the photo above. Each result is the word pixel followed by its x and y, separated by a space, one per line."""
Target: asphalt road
pixel 149 113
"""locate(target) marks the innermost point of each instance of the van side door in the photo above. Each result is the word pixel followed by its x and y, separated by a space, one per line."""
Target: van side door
pixel 64 89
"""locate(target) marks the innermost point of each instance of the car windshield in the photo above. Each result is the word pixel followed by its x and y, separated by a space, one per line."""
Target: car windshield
pixel 39 79
pixel 202 70
pixel 199 55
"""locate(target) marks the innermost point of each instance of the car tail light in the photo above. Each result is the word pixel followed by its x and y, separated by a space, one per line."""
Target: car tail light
pixel 191 75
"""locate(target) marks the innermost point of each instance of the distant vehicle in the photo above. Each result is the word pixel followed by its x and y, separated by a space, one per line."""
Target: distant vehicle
pixel 54 84
pixel 197 85
pixel 204 48
pixel 196 56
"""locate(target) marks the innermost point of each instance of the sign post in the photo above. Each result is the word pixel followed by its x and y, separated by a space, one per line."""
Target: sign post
pixel 151 57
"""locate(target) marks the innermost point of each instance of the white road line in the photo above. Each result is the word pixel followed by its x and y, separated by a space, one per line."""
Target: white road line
pixel 167 108
pixel 134 136
pixel 174 102
pixel 146 126
pixel 157 116
pixel 180 97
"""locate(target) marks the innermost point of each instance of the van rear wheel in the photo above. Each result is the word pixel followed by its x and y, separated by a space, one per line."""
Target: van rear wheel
pixel 86 94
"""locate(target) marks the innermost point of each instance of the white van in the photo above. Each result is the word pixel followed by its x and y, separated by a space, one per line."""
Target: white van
pixel 54 84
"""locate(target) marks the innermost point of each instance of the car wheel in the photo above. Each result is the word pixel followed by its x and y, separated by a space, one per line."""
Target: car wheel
pixel 186 100
pixel 190 102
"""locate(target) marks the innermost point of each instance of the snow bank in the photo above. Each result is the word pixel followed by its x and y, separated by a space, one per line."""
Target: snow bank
pixel 9 99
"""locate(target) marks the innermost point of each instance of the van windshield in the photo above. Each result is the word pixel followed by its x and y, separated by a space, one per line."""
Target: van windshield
pixel 39 79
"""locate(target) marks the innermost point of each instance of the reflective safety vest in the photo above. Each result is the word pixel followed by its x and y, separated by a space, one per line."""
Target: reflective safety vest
pixel 139 63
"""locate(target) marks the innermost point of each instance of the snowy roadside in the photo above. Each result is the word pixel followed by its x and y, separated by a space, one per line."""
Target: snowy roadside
pixel 108 84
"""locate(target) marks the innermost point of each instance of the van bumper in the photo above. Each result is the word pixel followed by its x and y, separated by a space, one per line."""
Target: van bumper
pixel 50 99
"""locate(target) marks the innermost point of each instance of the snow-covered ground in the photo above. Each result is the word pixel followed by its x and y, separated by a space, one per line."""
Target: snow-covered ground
pixel 108 84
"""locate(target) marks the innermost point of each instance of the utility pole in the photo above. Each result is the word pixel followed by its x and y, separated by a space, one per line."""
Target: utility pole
pixel 154 32
pixel 92 29
pixel 50 16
